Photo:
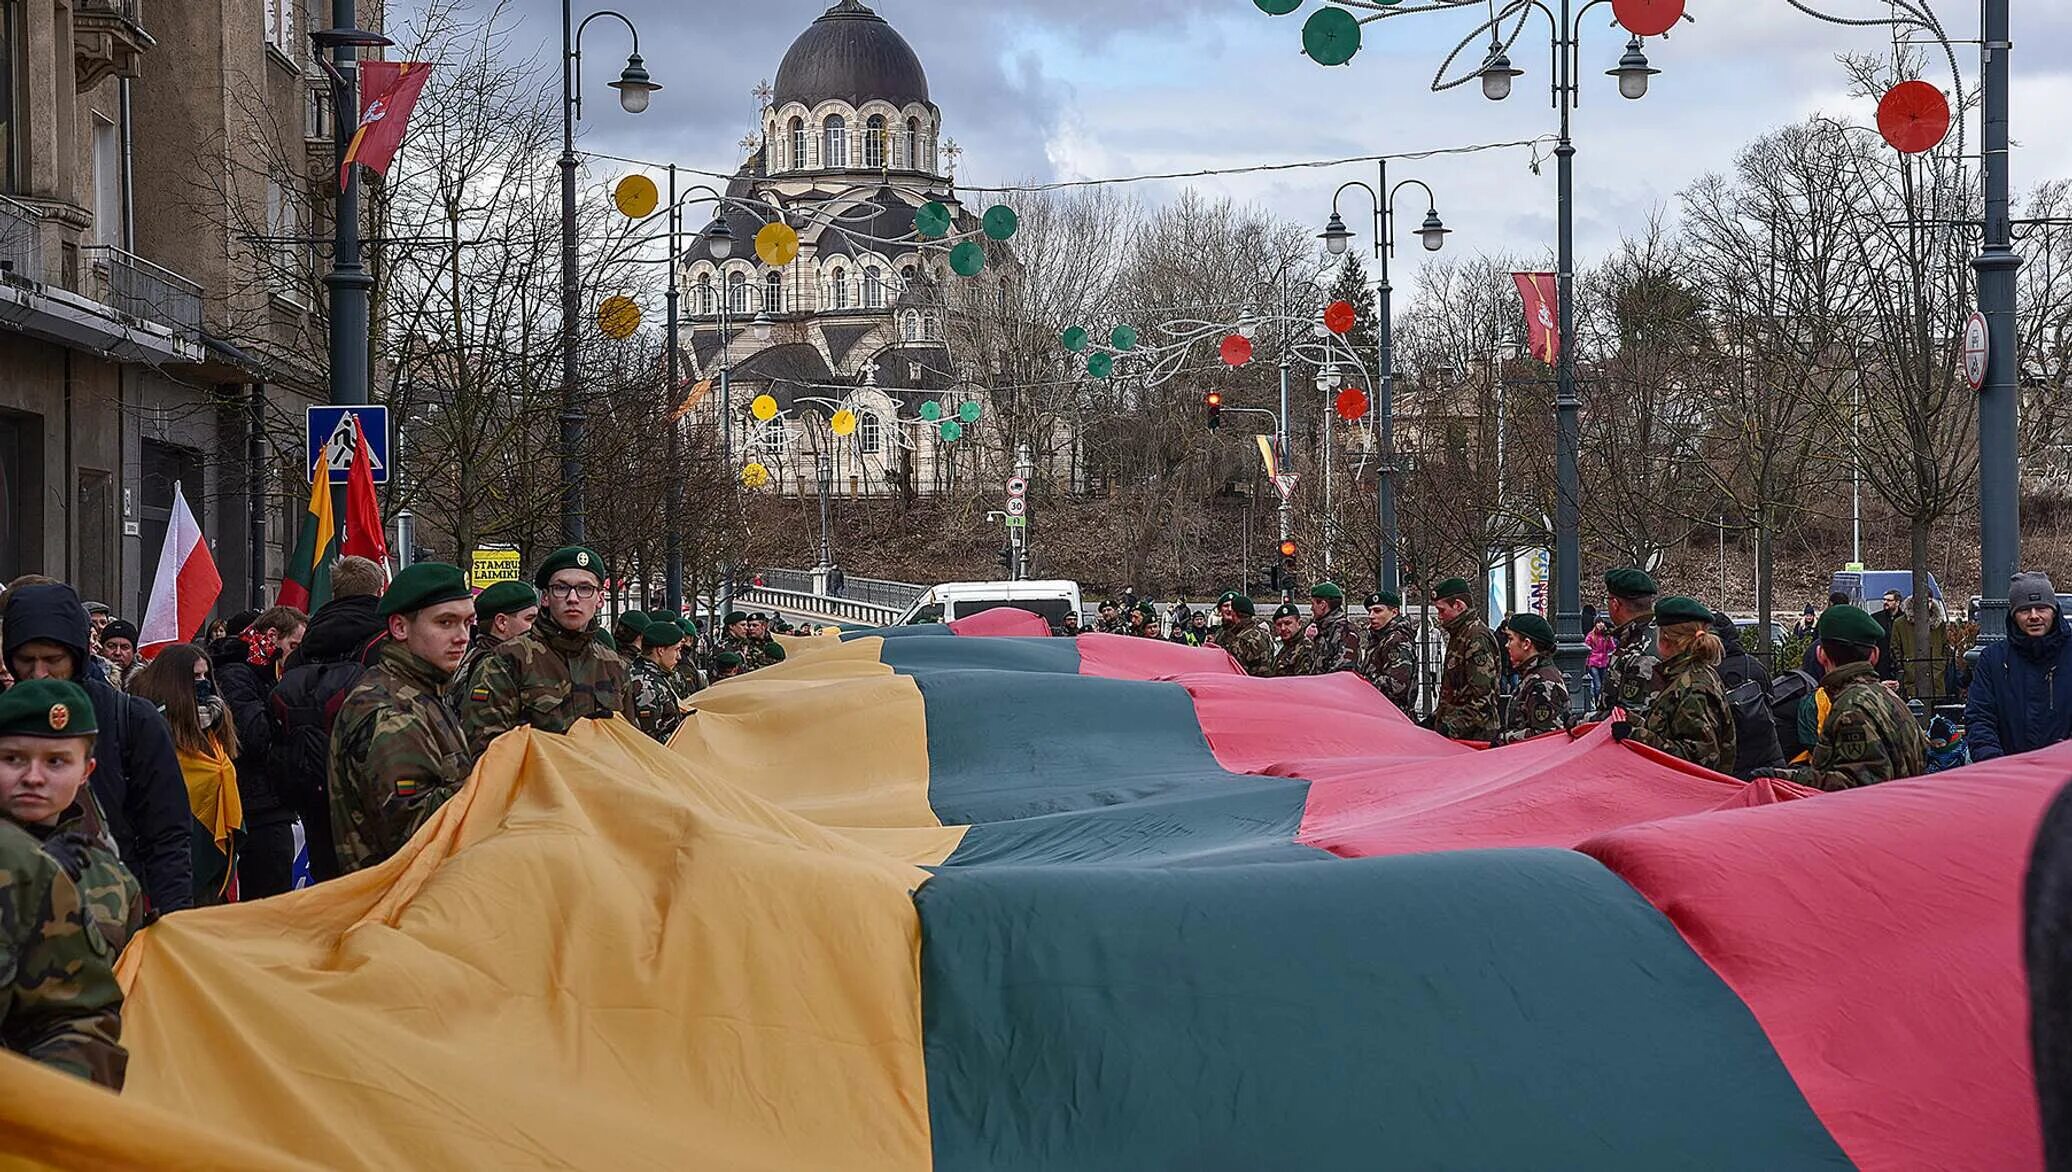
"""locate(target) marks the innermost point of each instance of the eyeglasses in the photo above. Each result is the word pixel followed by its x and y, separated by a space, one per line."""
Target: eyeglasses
pixel 582 590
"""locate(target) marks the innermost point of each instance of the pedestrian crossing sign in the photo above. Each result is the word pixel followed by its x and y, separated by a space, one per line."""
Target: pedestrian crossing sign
pixel 330 439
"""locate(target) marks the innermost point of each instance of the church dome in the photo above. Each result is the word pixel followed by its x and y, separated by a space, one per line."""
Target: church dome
pixel 850 54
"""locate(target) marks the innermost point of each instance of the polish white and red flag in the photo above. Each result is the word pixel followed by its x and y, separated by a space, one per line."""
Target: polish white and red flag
pixel 185 587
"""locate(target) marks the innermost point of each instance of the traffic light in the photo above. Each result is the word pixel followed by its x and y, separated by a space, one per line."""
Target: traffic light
pixel 1005 557
pixel 1288 552
pixel 1214 402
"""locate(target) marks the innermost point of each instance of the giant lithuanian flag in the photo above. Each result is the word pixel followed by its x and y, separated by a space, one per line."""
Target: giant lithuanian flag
pixel 927 900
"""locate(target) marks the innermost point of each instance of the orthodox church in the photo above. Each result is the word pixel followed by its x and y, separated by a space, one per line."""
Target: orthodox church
pixel 849 149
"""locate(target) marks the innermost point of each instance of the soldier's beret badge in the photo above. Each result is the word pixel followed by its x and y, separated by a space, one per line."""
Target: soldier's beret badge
pixel 60 716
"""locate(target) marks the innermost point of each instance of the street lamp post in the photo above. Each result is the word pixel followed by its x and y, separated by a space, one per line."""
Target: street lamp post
pixel 1633 73
pixel 1433 234
pixel 672 346
pixel 718 237
pixel 2000 535
pixel 635 88
pixel 348 282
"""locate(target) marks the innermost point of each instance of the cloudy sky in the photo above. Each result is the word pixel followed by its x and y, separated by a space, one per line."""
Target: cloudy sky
pixel 1068 89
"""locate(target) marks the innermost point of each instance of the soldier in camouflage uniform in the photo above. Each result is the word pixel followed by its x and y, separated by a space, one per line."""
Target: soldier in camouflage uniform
pixel 1291 646
pixel 1112 621
pixel 688 677
pixel 659 700
pixel 1242 635
pixel 501 612
pixel 627 631
pixel 1336 644
pixel 397 751
pixel 67 906
pixel 1869 736
pixel 1540 702
pixel 1144 621
pixel 1388 658
pixel 554 674
pixel 1630 681
pixel 1468 681
pixel 1689 716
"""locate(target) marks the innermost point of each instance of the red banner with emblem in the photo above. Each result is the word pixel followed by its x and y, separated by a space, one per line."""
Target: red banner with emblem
pixel 388 93
pixel 1542 312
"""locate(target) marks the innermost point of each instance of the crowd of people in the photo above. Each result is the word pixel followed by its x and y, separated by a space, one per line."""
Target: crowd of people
pixel 134 786
pixel 132 789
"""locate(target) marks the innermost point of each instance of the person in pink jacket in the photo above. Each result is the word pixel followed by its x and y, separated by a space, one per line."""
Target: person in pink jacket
pixel 1600 643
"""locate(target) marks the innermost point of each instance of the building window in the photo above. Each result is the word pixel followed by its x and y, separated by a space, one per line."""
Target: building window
pixel 773 292
pixel 283 231
pixel 835 152
pixel 874 142
pixel 873 288
pixel 737 292
pixel 798 143
pixel 870 434
pixel 701 296
pixel 910 327
pixel 913 137
pixel 280 27
pixel 907 273
pixel 839 280
pixel 107 156
pixel 928 329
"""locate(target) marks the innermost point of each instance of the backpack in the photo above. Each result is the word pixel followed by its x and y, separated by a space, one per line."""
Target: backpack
pixel 1787 693
pixel 304 707
pixel 1755 728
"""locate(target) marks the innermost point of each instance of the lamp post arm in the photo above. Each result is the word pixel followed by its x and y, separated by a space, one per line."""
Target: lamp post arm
pixel 574 50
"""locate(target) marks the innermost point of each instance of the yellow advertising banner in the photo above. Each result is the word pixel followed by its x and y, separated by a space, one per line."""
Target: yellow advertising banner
pixel 492 566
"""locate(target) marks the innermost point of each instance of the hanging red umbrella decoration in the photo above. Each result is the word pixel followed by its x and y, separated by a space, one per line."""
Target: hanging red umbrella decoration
pixel 1913 116
pixel 1647 18
pixel 1352 404
pixel 1236 349
pixel 1339 317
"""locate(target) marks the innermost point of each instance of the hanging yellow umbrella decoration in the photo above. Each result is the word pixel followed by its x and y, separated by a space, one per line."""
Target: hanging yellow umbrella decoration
pixel 754 475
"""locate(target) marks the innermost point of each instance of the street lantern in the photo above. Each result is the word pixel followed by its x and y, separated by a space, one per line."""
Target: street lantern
pixel 719 239
pixel 762 326
pixel 1633 72
pixel 634 86
pixel 1497 74
pixel 1335 235
pixel 1433 231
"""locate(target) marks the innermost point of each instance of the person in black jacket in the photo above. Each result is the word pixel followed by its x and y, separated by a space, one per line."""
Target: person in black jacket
pixel 336 648
pixel 136 776
pixel 246 667
pixel 1747 684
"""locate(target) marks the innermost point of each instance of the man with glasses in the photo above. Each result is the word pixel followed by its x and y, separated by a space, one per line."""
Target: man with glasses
pixel 556 673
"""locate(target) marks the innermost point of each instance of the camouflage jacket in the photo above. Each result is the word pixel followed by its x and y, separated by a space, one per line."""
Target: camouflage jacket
pixel 1689 717
pixel 658 698
pixel 1248 643
pixel 687 678
pixel 1336 646
pixel 1869 736
pixel 1291 658
pixel 1468 682
pixel 470 665
pixel 548 678
pixel 751 652
pixel 397 754
pixel 67 907
pixel 1389 661
pixel 1630 681
pixel 1119 625
pixel 1539 705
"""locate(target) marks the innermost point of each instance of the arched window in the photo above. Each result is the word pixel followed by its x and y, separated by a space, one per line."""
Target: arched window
pixel 870 434
pixel 909 329
pixel 835 151
pixel 928 329
pixel 874 142
pixel 798 146
pixel 839 282
pixel 873 288
pixel 773 293
pixel 737 292
pixel 913 137
pixel 701 295
pixel 907 273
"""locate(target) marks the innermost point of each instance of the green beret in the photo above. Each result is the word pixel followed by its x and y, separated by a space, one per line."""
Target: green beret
pixel 1241 603
pixel 1630 583
pixel 775 652
pixel 689 624
pixel 1388 598
pixel 504 598
pixel 1535 628
pixel 1678 608
pixel 1147 610
pixel 1287 610
pixel 1327 590
pixel 46 708
pixel 603 638
pixel 1453 588
pixel 662 633
pixel 422 585
pixel 728 659
pixel 569 557
pixel 637 619
pixel 1844 624
pixel 733 616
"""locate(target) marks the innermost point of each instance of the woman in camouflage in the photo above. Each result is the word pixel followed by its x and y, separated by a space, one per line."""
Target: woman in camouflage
pixel 1689 717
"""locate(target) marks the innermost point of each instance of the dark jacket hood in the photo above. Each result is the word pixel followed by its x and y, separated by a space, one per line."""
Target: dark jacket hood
pixel 1729 634
pixel 340 629
pixel 47 612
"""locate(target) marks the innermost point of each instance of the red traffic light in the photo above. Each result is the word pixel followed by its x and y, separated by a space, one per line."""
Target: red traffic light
pixel 1288 548
pixel 1213 398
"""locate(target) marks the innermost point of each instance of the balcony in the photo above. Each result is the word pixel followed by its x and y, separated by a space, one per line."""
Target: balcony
pixel 145 291
pixel 21 246
pixel 108 40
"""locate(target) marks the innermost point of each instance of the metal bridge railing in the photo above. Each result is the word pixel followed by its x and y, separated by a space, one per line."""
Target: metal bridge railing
pixel 847 610
pixel 880 592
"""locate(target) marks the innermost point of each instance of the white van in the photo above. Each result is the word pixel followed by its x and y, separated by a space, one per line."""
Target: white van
pixel 1052 599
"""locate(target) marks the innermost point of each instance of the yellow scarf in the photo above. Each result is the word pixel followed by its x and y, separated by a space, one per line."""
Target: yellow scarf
pixel 212 792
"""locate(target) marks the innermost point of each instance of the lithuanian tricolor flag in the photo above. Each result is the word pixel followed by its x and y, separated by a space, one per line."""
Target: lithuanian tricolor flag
pixel 923 899
pixel 306 584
